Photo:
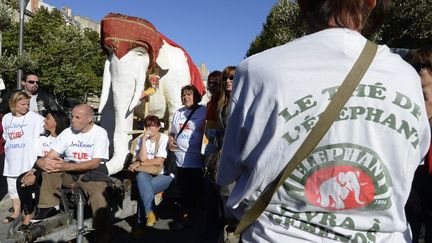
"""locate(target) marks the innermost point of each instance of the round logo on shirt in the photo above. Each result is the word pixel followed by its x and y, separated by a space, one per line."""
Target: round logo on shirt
pixel 342 177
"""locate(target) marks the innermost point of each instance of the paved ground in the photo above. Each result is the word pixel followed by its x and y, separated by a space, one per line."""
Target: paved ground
pixel 121 232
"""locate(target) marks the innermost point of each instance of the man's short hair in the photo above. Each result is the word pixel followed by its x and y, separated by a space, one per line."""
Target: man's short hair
pixel 28 74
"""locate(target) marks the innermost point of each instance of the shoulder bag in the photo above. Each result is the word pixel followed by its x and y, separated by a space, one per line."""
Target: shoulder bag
pixel 152 169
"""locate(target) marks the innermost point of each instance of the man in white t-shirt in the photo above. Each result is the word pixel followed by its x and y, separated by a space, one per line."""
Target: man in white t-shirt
pixel 78 149
pixel 354 185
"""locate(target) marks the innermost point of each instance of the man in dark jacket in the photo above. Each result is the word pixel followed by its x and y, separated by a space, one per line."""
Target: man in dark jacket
pixel 41 101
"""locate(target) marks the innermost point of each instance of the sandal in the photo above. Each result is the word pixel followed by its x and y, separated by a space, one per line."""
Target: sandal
pixel 24 227
pixel 8 219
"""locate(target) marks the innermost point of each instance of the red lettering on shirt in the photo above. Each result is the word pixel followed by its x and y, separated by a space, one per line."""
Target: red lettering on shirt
pixel 13 135
pixel 80 156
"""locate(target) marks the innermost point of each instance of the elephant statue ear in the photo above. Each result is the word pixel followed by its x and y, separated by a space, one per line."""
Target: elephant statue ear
pixel 162 72
pixel 163 60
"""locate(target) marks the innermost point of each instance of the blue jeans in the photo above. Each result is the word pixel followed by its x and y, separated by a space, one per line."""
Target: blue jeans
pixel 149 185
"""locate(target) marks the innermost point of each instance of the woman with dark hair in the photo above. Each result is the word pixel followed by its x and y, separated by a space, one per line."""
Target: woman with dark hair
pixel 352 187
pixel 185 140
pixel 151 153
pixel 21 130
pixel 29 182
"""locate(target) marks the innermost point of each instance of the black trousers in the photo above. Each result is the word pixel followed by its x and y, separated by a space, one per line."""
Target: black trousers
pixel 191 184
pixel 419 205
pixel 215 218
pixel 26 193
pixel 3 181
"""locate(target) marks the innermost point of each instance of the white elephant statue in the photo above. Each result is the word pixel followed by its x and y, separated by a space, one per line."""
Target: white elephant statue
pixel 333 191
pixel 142 65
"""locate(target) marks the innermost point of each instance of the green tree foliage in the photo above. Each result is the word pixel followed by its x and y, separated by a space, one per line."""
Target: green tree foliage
pixel 408 25
pixel 69 60
pixel 5 17
pixel 282 25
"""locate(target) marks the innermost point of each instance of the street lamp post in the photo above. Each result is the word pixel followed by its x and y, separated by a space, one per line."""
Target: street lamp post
pixel 22 6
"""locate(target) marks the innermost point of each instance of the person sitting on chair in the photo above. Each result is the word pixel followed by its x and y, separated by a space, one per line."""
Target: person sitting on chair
pixel 78 149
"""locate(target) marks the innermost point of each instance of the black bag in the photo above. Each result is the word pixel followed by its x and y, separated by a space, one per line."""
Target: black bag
pixel 170 164
pixel 211 166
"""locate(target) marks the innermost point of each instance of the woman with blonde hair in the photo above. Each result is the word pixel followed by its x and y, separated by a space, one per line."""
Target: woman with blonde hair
pixel 21 133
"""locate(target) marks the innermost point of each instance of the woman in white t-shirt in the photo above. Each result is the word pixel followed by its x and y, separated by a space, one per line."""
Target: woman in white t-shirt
pixel 28 183
pixel 185 140
pixel 21 133
pixel 151 152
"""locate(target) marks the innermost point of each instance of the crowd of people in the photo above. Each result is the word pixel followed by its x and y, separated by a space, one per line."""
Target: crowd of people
pixel 367 179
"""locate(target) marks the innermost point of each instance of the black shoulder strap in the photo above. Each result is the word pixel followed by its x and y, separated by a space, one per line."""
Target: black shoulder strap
pixel 187 120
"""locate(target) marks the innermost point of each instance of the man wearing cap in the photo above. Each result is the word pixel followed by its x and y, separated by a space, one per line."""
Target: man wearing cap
pixel 353 186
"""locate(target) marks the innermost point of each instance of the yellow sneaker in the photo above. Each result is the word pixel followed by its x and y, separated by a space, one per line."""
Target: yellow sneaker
pixel 151 219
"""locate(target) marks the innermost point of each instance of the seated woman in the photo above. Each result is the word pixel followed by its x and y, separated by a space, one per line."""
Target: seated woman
pixel 29 182
pixel 152 152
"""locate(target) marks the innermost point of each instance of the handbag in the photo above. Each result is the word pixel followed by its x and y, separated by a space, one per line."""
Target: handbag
pixel 152 169
pixel 211 165
pixel 317 133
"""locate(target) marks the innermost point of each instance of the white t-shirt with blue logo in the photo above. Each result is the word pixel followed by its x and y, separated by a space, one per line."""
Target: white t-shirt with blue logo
pixel 80 147
pixel 189 142
pixel 21 135
pixel 44 145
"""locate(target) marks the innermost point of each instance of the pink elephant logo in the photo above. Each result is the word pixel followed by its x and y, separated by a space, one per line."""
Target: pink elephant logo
pixel 339 188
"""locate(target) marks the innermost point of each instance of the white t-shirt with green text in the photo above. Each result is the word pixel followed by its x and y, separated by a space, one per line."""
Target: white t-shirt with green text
pixel 354 185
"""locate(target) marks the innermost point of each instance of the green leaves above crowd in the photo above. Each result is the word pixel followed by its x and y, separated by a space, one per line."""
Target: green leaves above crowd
pixel 69 60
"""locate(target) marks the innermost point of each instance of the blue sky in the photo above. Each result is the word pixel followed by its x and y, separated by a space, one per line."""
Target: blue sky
pixel 217 32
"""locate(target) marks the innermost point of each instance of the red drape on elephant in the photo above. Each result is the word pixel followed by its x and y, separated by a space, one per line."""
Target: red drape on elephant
pixel 121 33
pixel 196 79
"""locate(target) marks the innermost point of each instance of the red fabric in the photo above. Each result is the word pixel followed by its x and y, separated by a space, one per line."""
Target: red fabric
pixel 196 79
pixel 121 33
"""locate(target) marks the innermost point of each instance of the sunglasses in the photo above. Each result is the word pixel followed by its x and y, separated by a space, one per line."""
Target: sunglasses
pixel 213 83
pixel 418 66
pixel 230 78
pixel 32 81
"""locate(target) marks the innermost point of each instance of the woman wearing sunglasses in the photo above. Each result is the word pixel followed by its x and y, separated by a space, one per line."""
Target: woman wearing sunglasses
pixel 226 88
pixel 21 130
